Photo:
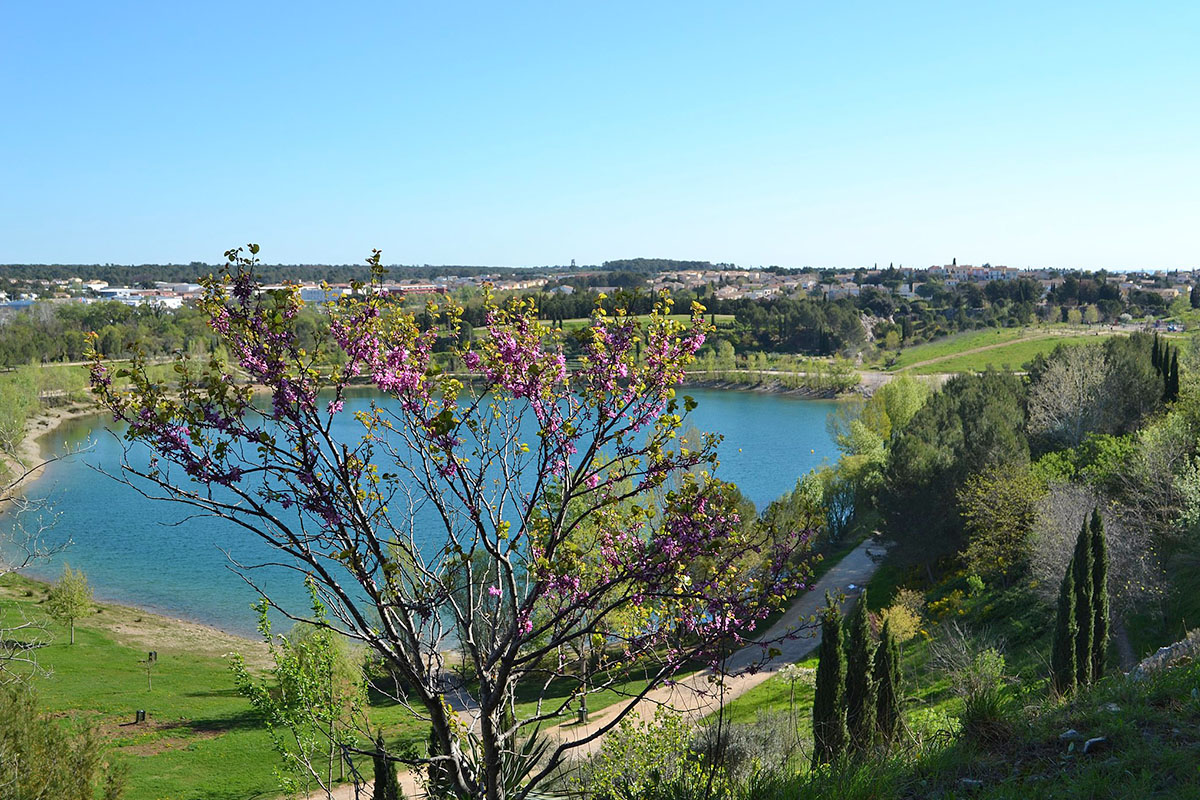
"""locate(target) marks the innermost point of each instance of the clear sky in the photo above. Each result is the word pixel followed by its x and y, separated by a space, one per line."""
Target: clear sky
pixel 791 133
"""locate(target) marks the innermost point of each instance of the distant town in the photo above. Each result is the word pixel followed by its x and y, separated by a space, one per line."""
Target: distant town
pixel 720 281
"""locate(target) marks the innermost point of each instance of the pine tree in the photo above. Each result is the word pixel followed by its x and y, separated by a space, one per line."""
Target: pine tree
pixel 1062 656
pixel 829 703
pixel 887 685
pixel 1081 564
pixel 387 786
pixel 860 683
pixel 1099 595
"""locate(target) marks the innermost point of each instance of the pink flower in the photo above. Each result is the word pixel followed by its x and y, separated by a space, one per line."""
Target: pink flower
pixel 494 591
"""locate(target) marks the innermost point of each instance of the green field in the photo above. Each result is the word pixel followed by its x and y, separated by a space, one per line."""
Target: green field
pixel 999 348
pixel 1011 356
pixel 958 343
pixel 198 726
pixel 201 740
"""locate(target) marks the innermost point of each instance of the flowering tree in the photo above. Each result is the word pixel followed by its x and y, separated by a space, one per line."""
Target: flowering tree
pixel 566 509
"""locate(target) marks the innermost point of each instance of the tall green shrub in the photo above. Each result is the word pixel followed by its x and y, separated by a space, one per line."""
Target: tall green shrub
pixel 1164 369
pixel 829 704
pixel 1081 565
pixel 1173 377
pixel 42 758
pixel 1062 656
pixel 860 682
pixel 70 598
pixel 386 784
pixel 1099 545
pixel 887 685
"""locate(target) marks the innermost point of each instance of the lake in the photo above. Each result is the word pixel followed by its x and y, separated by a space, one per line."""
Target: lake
pixel 146 553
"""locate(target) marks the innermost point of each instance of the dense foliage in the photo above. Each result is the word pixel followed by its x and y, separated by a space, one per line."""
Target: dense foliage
pixel 974 423
pixel 42 757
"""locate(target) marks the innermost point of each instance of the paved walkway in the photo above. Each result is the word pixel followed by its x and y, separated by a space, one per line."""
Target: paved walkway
pixel 694 696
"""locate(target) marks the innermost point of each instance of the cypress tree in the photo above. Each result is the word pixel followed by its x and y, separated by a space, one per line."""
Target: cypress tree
pixel 439 774
pixel 1194 297
pixel 1062 656
pixel 1173 380
pixel 860 683
pixel 887 685
pixel 829 702
pixel 387 786
pixel 1164 364
pixel 1099 595
pixel 1081 564
pixel 1155 358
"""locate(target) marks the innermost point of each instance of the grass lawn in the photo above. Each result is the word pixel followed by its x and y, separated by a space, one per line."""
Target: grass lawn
pixel 775 695
pixel 1011 356
pixel 201 740
pixel 953 345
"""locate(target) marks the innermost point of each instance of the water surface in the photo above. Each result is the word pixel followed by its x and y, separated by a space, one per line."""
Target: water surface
pixel 149 554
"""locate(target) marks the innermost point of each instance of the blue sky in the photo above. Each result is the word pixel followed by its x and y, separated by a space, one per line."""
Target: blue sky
pixel 791 133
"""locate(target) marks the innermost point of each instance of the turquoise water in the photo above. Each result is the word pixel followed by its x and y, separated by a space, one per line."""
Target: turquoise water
pixel 147 553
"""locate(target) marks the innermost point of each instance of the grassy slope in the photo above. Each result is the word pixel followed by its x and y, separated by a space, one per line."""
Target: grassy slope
pixel 952 345
pixel 1151 748
pixel 964 344
pixel 198 727
pixel 1010 356
pixel 1152 728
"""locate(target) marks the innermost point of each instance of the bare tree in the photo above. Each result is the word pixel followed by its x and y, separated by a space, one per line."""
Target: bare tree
pixel 1152 485
pixel 24 541
pixel 1068 400
pixel 1134 575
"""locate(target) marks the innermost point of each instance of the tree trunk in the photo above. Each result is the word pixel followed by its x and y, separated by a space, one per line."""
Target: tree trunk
pixel 1125 654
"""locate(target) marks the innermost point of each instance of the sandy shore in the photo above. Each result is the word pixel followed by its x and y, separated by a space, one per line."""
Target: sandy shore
pixel 27 463
pixel 130 625
pixel 145 630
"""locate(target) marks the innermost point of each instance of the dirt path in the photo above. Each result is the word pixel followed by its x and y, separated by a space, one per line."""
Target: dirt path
pixel 693 697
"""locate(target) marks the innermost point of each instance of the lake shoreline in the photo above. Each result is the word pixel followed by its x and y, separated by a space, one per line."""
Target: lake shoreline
pixel 154 630
pixel 182 600
pixel 770 387
pixel 28 460
pixel 27 465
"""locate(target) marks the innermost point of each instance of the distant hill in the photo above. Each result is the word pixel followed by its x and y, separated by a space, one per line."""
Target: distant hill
pixel 659 265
